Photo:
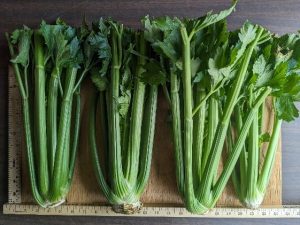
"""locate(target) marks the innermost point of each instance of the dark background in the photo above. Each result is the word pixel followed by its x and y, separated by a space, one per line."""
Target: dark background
pixel 277 15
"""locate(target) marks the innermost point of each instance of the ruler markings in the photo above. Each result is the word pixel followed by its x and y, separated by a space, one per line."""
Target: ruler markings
pixel 79 210
pixel 14 142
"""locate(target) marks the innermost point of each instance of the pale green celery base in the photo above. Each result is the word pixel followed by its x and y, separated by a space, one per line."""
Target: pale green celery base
pixel 128 204
pixel 199 211
pixel 197 208
pixel 254 202
pixel 128 208
pixel 55 204
pixel 51 203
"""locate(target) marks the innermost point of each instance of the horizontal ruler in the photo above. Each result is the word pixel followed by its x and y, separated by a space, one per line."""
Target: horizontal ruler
pixel 77 210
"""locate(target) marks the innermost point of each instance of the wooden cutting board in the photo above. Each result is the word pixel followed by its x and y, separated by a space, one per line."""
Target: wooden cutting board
pixel 161 189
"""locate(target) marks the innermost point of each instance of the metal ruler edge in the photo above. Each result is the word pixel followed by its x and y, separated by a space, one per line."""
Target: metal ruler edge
pixel 287 211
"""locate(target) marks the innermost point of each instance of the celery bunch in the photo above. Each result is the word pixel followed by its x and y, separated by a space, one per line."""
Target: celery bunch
pixel 206 69
pixel 274 66
pixel 47 63
pixel 127 97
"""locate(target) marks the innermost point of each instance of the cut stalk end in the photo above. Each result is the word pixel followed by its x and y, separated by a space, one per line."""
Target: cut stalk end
pixel 54 204
pixel 254 202
pixel 128 208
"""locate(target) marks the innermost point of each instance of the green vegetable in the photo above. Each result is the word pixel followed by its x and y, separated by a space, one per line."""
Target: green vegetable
pixel 218 84
pixel 207 68
pixel 127 97
pixel 47 66
pixel 274 66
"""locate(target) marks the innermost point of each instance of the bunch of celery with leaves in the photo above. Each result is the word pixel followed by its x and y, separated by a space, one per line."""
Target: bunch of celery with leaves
pixel 47 63
pixel 202 62
pixel 126 113
pixel 274 66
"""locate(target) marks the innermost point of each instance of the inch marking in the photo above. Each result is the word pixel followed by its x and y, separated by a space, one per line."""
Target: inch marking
pixel 15 141
pixel 77 210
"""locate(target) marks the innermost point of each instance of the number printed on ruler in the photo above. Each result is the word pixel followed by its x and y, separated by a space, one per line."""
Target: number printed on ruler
pixel 15 142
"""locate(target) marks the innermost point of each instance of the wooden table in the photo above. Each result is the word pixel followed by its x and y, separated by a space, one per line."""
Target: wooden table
pixel 277 15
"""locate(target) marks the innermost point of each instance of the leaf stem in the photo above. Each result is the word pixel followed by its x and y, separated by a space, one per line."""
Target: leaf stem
pixel 177 131
pixel 52 116
pixel 59 175
pixel 40 112
pixel 216 150
pixel 198 136
pixel 234 155
pixel 147 140
pixel 133 153
pixel 111 197
pixel 115 159
pixel 188 119
pixel 270 157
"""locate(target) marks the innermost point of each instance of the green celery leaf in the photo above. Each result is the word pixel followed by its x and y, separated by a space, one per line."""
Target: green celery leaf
pixel 124 103
pixel 246 35
pixel 265 137
pixel 126 81
pixel 285 108
pixel 164 35
pixel 279 76
pixel 292 85
pixel 217 74
pixel 261 71
pixel 198 77
pixel 210 18
pixel 195 64
pixel 153 74
pixel 169 47
pixel 62 44
pixel 98 42
pixel 99 81
pixel 22 38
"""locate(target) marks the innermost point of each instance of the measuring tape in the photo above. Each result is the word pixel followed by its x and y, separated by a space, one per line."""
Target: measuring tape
pixel 78 210
pixel 15 206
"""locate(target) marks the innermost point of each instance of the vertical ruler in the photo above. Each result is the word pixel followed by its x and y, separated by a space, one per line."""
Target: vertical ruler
pixel 15 140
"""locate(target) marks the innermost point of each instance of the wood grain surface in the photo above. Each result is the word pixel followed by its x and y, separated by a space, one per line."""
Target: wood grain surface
pixel 277 15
